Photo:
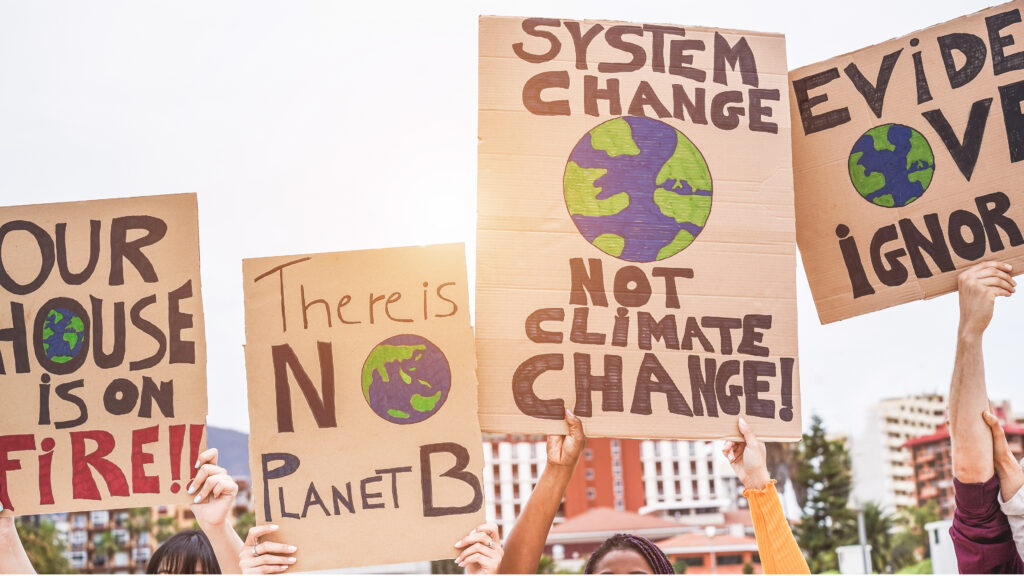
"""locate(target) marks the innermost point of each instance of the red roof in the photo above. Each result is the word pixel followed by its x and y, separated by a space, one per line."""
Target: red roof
pixel 942 433
pixel 699 541
pixel 610 520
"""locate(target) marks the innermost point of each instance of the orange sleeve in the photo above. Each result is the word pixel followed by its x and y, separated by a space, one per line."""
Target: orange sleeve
pixel 775 543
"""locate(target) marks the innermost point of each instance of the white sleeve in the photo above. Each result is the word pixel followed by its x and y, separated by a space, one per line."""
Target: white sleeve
pixel 1014 510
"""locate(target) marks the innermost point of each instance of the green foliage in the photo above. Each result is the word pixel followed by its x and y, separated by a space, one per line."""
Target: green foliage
pixel 106 546
pixel 878 526
pixel 243 523
pixel 922 567
pixel 546 565
pixel 680 566
pixel 43 545
pixel 748 568
pixel 823 470
pixel 914 519
pixel 165 528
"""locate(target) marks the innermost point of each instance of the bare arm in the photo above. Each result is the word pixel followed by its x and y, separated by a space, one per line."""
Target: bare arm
pixel 13 559
pixel 214 494
pixel 971 439
pixel 775 543
pixel 525 544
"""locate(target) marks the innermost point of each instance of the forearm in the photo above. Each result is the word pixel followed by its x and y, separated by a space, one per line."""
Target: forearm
pixel 525 544
pixel 13 559
pixel 775 543
pixel 226 546
pixel 971 439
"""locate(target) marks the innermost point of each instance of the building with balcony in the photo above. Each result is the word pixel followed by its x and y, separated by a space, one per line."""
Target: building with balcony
pixel 932 463
pixel 882 468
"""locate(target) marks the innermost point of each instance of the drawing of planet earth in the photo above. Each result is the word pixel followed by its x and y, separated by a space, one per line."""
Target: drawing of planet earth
pixel 63 334
pixel 637 189
pixel 891 165
pixel 406 379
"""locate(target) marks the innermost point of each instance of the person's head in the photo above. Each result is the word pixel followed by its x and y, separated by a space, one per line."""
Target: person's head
pixel 187 552
pixel 628 554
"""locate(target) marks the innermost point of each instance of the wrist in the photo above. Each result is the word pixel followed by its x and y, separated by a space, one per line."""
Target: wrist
pixel 757 481
pixel 214 525
pixel 969 334
pixel 556 469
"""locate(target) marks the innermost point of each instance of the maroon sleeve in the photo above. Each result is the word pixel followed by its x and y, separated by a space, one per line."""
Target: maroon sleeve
pixel 982 538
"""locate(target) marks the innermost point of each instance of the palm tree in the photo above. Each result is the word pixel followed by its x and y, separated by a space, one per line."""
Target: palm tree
pixel 878 526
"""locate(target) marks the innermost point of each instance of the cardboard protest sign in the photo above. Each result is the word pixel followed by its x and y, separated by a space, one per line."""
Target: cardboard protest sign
pixel 102 354
pixel 906 162
pixel 362 403
pixel 636 253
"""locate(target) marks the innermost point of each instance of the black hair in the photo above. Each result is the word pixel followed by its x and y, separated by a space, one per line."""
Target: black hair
pixel 655 557
pixel 181 554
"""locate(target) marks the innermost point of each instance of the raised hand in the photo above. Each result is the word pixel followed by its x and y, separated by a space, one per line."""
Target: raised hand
pixel 979 286
pixel 214 491
pixel 748 458
pixel 481 550
pixel 257 557
pixel 565 450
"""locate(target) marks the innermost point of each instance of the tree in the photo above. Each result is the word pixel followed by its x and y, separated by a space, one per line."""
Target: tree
pixel 878 525
pixel 680 566
pixel 914 519
pixel 165 528
pixel 43 545
pixel 823 471
pixel 244 523
pixel 546 565
pixel 107 545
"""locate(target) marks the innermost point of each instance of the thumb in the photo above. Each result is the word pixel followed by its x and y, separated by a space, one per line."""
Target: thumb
pixel 575 425
pixel 748 434
pixel 991 420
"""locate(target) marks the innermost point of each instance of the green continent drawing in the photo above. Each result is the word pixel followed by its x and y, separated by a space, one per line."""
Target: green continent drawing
pixel 891 165
pixel 637 189
pixel 405 379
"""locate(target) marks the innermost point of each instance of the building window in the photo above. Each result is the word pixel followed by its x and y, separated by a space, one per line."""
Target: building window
pixel 79 521
pixel 694 560
pixel 590 473
pixel 78 537
pixel 99 518
pixel 730 559
pixel 591 494
pixel 78 558
pixel 588 454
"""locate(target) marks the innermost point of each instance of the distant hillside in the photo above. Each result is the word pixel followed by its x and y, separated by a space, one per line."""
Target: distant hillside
pixel 233 447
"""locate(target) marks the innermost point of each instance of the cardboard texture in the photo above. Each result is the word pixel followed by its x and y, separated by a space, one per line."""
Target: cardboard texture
pixel 102 354
pixel 362 403
pixel 906 162
pixel 636 256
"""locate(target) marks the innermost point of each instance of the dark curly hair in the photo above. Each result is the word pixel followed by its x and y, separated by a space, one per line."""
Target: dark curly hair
pixel 655 557
pixel 181 553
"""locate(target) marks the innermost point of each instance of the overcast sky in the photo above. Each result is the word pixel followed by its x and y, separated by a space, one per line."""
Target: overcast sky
pixel 321 126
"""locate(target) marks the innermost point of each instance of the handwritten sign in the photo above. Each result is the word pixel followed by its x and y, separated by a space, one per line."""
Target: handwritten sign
pixel 636 252
pixel 906 159
pixel 362 403
pixel 102 354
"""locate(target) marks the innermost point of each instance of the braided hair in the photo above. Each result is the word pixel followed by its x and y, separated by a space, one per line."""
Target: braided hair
pixel 655 557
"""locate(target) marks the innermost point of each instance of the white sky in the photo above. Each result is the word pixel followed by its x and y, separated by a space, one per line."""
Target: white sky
pixel 319 126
